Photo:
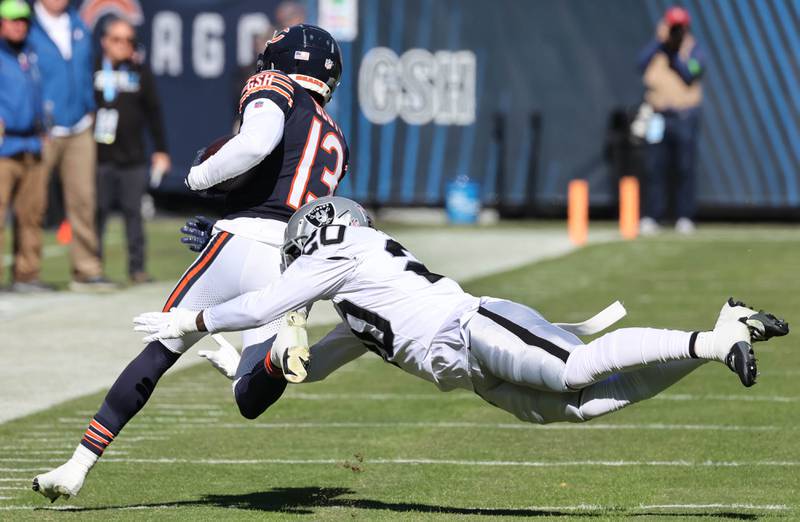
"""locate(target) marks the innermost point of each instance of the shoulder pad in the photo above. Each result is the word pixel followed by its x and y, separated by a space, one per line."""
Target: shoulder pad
pixel 271 84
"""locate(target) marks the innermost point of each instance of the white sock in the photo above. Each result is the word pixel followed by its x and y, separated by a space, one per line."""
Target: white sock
pixel 622 350
pixel 84 457
pixel 705 348
pixel 628 388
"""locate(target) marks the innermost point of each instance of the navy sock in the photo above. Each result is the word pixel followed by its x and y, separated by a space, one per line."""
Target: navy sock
pixel 258 390
pixel 128 395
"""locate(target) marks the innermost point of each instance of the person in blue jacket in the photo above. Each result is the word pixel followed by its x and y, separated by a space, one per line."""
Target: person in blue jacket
pixel 23 179
pixel 64 47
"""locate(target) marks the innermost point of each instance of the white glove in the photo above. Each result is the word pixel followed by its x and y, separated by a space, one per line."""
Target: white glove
pixel 225 359
pixel 166 325
pixel 290 349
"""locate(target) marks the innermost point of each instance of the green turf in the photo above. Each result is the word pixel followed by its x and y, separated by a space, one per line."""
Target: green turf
pixel 165 258
pixel 370 411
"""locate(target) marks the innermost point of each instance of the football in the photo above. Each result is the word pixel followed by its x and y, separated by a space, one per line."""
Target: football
pixel 228 185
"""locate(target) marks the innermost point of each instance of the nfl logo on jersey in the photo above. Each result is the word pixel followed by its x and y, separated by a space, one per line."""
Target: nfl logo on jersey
pixel 321 215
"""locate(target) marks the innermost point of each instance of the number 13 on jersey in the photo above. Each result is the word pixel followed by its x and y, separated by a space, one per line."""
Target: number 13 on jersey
pixel 331 144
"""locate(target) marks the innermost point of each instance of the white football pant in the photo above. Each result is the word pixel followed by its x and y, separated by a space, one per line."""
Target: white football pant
pixel 540 373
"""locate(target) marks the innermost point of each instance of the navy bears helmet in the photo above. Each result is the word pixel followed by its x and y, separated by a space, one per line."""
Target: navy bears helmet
pixel 308 54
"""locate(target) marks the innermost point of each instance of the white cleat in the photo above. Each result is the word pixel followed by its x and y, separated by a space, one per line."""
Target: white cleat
pixel 290 349
pixel 66 480
pixel 649 226
pixel 737 327
pixel 763 325
pixel 685 226
pixel 295 364
pixel 733 311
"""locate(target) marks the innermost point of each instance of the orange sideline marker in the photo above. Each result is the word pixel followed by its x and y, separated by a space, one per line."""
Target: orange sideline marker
pixel 629 207
pixel 578 211
pixel 64 233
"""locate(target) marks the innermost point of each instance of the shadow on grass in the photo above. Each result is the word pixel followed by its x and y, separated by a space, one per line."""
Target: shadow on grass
pixel 304 501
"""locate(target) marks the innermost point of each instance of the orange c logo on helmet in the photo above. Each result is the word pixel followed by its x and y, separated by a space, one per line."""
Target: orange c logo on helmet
pixel 278 36
pixel 92 11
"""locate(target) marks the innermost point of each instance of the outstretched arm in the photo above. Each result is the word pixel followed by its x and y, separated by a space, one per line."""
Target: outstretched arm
pixel 309 279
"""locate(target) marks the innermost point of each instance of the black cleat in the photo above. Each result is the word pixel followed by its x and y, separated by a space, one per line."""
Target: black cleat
pixel 742 361
pixel 35 487
pixel 763 325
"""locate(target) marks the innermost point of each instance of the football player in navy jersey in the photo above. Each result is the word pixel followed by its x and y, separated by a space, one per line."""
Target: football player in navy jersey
pixel 288 152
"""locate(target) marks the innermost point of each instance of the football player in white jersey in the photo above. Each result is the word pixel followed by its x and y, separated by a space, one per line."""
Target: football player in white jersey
pixel 424 323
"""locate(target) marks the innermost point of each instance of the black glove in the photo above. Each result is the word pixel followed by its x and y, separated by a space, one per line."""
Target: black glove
pixel 198 233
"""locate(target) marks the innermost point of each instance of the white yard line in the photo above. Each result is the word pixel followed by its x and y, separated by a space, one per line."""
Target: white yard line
pixel 85 340
pixel 451 462
pixel 576 507
pixel 728 398
pixel 469 425
pixel 65 451
pixel 293 395
pixel 763 507
pixel 167 406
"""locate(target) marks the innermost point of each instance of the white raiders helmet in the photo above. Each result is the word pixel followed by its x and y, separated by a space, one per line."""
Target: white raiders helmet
pixel 328 210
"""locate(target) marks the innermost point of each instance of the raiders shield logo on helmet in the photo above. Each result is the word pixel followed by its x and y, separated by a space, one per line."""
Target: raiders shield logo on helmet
pixel 321 215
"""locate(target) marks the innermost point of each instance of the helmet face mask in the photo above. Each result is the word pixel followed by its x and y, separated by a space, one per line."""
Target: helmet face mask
pixel 308 54
pixel 329 210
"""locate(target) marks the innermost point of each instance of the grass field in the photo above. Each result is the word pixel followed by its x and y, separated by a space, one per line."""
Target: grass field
pixel 165 259
pixel 372 443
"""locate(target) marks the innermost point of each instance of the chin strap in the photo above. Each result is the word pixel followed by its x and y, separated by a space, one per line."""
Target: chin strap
pixel 313 84
pixel 608 316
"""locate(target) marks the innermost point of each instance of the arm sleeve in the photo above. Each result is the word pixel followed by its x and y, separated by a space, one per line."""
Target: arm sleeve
pixel 333 351
pixel 309 279
pixel 152 110
pixel 261 131
pixel 647 54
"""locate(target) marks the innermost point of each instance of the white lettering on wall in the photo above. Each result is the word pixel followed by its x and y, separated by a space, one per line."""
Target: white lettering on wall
pixel 378 85
pixel 165 56
pixel 250 27
pixel 420 87
pixel 208 46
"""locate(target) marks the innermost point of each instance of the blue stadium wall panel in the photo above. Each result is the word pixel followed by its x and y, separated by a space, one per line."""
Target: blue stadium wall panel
pixel 571 61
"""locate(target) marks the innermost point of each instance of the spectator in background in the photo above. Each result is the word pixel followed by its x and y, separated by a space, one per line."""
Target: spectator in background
pixel 244 72
pixel 63 45
pixel 672 67
pixel 287 14
pixel 23 180
pixel 127 102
